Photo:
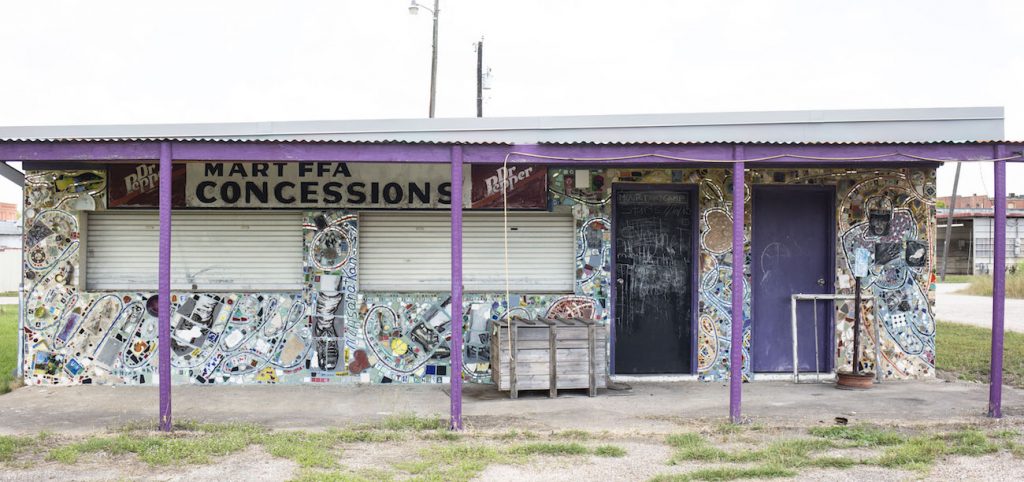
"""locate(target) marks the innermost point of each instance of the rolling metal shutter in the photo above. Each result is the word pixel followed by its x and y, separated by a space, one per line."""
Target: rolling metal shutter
pixel 210 250
pixel 411 251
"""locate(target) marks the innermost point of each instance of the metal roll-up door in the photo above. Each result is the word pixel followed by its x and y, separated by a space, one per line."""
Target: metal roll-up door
pixel 210 250
pixel 411 251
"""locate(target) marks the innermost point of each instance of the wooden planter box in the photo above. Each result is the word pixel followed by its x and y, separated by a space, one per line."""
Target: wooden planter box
pixel 556 354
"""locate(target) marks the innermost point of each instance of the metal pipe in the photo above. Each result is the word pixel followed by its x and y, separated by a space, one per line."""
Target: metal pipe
pixel 20 373
pixel 949 223
pixel 794 323
pixel 455 423
pixel 856 326
pixel 736 347
pixel 480 78
pixel 793 330
pixel 995 392
pixel 164 288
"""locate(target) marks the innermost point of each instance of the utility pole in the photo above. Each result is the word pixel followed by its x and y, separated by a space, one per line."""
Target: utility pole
pixel 480 78
pixel 949 224
pixel 433 59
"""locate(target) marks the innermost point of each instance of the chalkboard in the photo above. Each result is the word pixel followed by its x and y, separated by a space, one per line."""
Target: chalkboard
pixel 653 235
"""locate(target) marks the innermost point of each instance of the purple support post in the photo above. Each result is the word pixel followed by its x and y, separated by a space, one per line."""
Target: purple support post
pixel 995 390
pixel 736 349
pixel 164 287
pixel 455 423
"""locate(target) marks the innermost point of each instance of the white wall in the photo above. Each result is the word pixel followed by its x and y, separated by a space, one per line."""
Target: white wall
pixel 983 234
pixel 10 269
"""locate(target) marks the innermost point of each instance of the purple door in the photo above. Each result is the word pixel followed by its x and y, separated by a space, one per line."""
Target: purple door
pixel 791 252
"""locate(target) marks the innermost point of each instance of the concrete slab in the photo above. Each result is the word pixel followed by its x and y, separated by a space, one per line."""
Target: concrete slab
pixel 647 407
pixel 974 310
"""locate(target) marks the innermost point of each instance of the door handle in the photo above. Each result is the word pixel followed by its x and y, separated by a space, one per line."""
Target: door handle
pixel 821 282
pixel 619 280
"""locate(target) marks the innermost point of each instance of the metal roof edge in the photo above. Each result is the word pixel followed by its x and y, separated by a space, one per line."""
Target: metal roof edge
pixel 304 130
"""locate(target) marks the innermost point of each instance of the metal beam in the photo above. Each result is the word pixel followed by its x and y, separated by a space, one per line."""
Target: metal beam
pixel 164 288
pixel 455 376
pixel 12 174
pixel 736 346
pixel 551 154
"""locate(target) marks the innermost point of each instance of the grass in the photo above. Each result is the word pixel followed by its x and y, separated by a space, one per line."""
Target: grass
pixel 516 435
pixel 196 443
pixel 609 451
pixel 365 475
pixel 920 452
pixel 981 285
pixel 8 346
pixel 550 448
pixel 964 351
pixel 572 435
pixel 782 458
pixel 454 462
pixel 859 435
pixel 194 448
pixel 317 454
pixel 411 421
pixel 691 446
pixel 730 473
pixel 11 446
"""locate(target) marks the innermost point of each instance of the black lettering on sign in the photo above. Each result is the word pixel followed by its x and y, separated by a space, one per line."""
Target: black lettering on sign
pixel 416 193
pixel 216 169
pixel 201 191
pixel 393 193
pixel 230 192
pixel 356 193
pixel 307 191
pixel 256 191
pixel 445 191
pixel 332 192
pixel 260 169
pixel 280 195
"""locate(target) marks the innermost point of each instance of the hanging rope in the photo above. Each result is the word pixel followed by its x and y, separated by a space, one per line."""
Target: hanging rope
pixel 504 216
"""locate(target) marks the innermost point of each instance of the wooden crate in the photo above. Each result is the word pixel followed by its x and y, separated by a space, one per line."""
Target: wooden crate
pixel 549 355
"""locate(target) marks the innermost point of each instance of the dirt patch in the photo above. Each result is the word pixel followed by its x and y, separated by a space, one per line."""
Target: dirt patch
pixel 1001 466
pixel 252 464
pixel 643 460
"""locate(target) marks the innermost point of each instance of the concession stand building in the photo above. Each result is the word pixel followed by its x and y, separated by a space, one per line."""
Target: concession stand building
pixel 337 252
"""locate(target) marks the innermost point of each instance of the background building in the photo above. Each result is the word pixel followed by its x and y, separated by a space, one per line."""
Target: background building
pixel 971 240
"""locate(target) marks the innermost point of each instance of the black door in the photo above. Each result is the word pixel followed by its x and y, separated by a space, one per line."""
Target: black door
pixel 653 231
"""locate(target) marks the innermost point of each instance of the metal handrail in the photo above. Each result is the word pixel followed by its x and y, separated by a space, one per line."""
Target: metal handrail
pixel 829 297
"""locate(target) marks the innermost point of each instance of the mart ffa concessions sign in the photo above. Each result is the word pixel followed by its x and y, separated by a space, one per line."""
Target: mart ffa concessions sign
pixel 326 185
pixel 319 184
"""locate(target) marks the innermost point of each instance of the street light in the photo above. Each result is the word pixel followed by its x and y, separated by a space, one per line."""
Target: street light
pixel 414 8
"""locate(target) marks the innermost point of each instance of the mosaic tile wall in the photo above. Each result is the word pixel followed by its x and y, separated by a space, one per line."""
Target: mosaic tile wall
pixel 900 277
pixel 327 332
pixel 330 332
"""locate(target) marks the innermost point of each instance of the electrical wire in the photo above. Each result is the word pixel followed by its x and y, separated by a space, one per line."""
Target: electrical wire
pixel 504 220
pixel 756 159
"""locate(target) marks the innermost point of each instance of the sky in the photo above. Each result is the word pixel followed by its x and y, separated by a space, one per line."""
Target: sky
pixel 127 62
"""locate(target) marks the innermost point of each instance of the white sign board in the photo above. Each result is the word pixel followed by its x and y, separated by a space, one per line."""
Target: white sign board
pixel 321 184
